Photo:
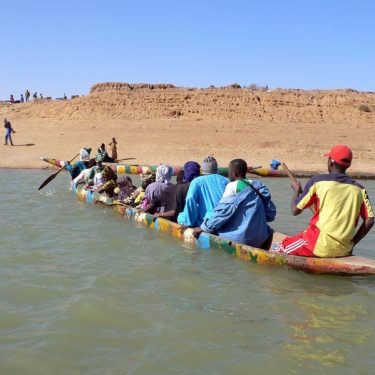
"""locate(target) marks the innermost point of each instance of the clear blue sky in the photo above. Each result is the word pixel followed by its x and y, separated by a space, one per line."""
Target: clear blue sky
pixel 57 47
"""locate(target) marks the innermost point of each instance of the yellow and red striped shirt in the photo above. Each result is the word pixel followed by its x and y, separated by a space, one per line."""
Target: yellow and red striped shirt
pixel 339 202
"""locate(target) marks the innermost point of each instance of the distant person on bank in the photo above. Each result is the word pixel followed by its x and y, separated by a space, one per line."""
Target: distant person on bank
pixel 113 145
pixel 243 211
pixel 8 132
pixel 339 202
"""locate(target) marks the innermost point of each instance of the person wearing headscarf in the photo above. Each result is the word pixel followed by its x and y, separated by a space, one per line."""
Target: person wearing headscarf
pixel 191 170
pixel 102 155
pixel 84 154
pixel 110 182
pixel 136 198
pixel 204 193
pixel 159 195
pixel 125 188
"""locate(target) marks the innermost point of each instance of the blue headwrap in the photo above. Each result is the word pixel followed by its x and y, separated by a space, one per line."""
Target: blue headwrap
pixel 191 170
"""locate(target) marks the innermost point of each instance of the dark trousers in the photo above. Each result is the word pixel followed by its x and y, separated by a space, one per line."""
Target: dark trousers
pixel 8 136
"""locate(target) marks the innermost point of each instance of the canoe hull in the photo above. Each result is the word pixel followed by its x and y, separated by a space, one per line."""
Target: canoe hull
pixel 354 265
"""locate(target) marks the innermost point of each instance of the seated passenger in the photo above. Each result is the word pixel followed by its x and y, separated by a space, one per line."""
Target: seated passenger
pixel 79 166
pixel 109 182
pixel 86 175
pixel 190 171
pixel 203 194
pixel 159 195
pixel 339 203
pixel 125 188
pixel 103 156
pixel 84 154
pixel 147 177
pixel 243 211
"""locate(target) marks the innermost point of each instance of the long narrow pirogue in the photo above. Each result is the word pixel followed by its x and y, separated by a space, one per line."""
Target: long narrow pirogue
pixel 259 171
pixel 353 265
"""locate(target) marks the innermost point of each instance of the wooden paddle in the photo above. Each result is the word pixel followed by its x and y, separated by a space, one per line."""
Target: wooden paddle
pixel 50 178
pixel 117 160
pixel 252 169
pixel 293 179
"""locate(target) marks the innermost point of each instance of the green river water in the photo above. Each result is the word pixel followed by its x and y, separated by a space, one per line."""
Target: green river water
pixel 84 292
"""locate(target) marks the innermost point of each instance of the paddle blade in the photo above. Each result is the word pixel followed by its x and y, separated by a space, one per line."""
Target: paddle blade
pixel 47 181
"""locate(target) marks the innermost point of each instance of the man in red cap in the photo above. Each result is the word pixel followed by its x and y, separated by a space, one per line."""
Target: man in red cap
pixel 338 202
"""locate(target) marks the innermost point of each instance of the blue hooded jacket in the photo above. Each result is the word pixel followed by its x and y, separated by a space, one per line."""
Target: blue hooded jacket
pixel 243 217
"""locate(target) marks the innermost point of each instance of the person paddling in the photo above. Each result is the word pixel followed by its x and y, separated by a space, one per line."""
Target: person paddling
pixel 339 202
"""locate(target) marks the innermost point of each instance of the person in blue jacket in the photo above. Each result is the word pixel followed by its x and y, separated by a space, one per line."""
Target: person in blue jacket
pixel 243 212
pixel 204 193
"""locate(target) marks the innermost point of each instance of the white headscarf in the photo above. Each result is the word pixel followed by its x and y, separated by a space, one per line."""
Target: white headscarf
pixel 84 154
pixel 164 173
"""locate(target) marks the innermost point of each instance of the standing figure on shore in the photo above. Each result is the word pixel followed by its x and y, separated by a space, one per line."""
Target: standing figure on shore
pixel 113 145
pixel 27 96
pixel 22 99
pixel 8 132
pixel 35 95
pixel 339 202
pixel 11 99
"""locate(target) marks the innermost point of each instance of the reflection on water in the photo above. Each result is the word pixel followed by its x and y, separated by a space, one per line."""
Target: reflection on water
pixel 83 291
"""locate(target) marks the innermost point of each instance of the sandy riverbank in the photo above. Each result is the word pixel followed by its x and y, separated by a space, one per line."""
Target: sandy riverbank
pixel 173 125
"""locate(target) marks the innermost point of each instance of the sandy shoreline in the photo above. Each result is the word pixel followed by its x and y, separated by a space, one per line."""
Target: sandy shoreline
pixel 174 126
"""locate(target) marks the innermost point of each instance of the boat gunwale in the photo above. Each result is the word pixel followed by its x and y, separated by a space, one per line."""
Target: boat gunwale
pixel 347 266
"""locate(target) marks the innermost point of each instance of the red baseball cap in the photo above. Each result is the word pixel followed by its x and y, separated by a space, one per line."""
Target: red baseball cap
pixel 341 154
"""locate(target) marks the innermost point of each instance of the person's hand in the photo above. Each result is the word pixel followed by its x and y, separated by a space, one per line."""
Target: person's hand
pixel 183 228
pixel 197 232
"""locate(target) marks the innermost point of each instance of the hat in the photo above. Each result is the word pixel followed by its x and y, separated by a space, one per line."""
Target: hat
pixel 209 165
pixel 341 154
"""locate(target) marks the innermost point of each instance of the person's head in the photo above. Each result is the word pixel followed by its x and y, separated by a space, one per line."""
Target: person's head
pixel 209 165
pixel 145 183
pixel 147 175
pixel 113 139
pixel 108 174
pixel 191 170
pixel 339 158
pixel 180 176
pixel 164 173
pixel 102 146
pixel 237 169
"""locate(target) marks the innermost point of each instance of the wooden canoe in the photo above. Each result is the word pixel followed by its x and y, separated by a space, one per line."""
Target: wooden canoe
pixel 263 172
pixel 353 265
